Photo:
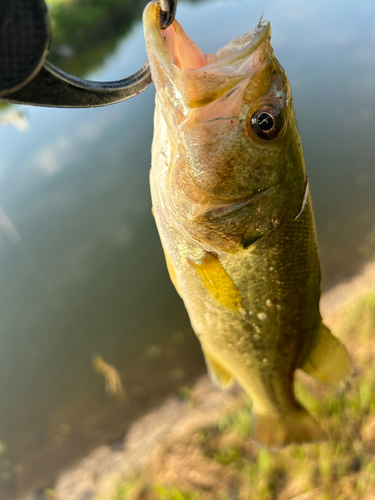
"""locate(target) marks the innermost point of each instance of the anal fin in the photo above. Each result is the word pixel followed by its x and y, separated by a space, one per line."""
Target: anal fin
pixel 328 360
pixel 217 372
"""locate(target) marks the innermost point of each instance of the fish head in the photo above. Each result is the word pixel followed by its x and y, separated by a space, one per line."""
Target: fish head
pixel 225 134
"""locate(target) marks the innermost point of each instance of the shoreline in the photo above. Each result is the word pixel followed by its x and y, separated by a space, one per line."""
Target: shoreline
pixel 99 475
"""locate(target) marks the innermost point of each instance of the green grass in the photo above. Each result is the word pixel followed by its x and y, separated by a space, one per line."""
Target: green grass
pixel 343 468
pixel 163 493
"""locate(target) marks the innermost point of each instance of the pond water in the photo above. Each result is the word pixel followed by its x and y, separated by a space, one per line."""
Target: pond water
pixel 82 270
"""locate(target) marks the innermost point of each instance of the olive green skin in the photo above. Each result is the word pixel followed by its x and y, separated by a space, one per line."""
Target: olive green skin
pixel 203 160
pixel 279 277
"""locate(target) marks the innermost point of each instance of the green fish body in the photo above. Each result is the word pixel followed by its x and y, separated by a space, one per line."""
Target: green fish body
pixel 231 202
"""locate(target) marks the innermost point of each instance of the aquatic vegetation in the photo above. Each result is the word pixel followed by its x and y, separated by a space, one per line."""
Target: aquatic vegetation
pixel 113 383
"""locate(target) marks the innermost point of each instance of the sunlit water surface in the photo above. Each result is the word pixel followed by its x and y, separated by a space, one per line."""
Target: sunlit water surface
pixel 81 267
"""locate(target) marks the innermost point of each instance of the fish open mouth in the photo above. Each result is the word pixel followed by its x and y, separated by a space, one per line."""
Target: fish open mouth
pixel 201 78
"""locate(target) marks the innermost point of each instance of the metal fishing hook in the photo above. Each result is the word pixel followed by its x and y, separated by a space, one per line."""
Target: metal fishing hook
pixel 167 12
pixel 40 83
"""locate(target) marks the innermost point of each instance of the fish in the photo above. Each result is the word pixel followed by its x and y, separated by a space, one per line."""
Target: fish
pixel 231 202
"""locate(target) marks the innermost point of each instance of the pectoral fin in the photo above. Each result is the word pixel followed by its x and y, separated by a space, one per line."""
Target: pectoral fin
pixel 328 361
pixel 217 282
pixel 218 374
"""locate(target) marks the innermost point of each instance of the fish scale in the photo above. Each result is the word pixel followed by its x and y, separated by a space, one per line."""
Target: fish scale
pixel 231 203
pixel 277 342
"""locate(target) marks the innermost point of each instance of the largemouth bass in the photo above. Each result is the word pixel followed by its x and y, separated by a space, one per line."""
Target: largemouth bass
pixel 232 206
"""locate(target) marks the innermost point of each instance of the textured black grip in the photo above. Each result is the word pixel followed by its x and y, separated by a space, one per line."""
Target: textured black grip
pixel 24 39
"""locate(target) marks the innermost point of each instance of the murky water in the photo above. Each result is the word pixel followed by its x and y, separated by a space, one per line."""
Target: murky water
pixel 81 267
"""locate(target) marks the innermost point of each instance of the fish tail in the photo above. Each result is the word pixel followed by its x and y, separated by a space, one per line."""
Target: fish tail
pixel 276 431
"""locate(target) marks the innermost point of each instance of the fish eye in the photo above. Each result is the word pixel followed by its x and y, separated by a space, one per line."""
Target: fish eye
pixel 266 122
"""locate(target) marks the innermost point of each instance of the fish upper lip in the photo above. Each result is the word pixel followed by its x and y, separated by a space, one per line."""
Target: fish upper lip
pixel 255 38
pixel 258 35
pixel 227 208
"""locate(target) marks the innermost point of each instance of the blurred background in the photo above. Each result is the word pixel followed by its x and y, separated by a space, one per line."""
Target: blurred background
pixel 81 266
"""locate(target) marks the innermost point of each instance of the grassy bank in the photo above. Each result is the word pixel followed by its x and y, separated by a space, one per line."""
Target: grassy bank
pixel 219 461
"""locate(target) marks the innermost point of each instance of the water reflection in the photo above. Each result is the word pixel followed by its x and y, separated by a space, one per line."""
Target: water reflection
pixel 81 269
pixel 14 116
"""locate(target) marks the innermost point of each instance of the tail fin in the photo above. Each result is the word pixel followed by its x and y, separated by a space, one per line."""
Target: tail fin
pixel 275 431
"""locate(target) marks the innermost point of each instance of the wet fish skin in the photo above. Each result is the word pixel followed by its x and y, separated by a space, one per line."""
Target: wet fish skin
pixel 235 220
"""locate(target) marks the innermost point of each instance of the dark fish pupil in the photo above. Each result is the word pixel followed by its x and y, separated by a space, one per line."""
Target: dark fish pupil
pixel 265 122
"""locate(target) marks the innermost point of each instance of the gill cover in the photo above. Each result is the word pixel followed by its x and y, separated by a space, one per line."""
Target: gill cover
pixel 233 163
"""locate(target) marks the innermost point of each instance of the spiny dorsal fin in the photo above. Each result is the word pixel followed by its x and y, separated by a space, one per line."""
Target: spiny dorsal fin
pixel 328 361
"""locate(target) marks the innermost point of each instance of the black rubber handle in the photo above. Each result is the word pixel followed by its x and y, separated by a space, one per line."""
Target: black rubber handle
pixel 27 78
pixel 25 35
